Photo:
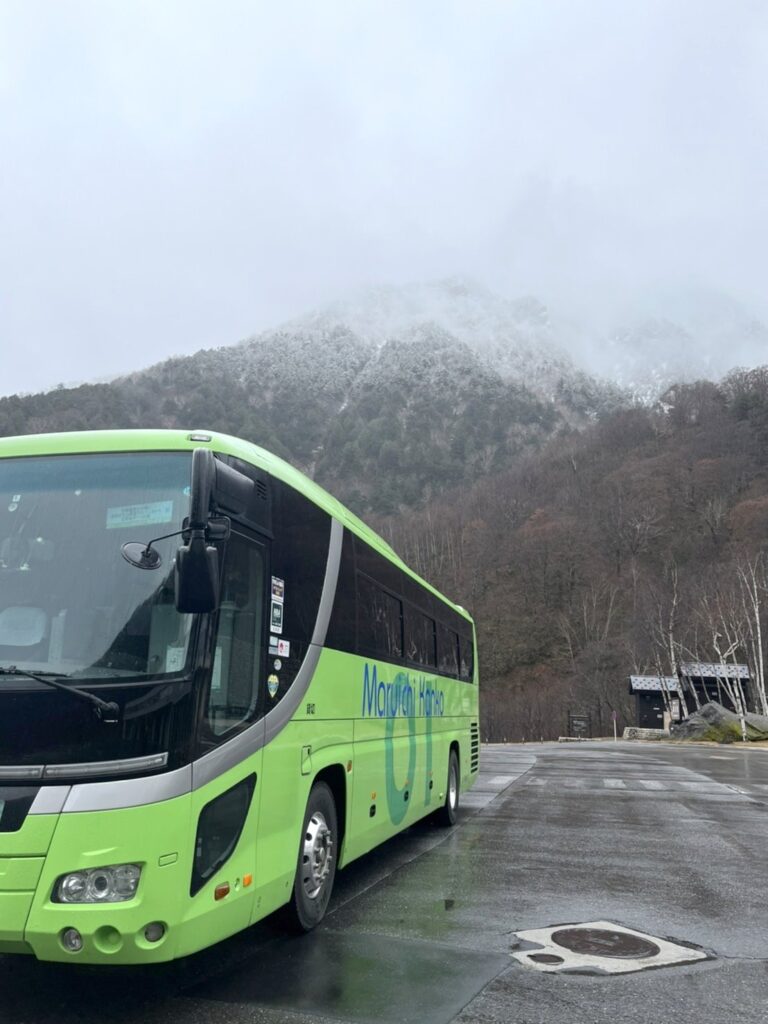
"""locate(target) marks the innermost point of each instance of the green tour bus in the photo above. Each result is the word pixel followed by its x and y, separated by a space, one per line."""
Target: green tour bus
pixel 216 686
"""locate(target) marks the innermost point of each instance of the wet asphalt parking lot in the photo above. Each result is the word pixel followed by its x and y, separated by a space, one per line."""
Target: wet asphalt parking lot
pixel 668 840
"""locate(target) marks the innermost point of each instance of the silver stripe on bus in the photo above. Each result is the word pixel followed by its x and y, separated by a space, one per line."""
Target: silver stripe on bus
pixel 230 754
pixel 329 584
pixel 100 796
pixel 110 796
pixel 50 800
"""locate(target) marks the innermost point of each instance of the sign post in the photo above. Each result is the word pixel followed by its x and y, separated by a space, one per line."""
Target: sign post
pixel 615 715
pixel 580 726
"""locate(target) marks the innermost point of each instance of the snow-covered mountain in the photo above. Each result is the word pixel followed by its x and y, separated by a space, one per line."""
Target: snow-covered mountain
pixel 397 393
pixel 676 337
pixel 514 337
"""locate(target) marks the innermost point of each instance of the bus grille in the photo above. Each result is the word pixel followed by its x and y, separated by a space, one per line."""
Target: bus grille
pixel 474 747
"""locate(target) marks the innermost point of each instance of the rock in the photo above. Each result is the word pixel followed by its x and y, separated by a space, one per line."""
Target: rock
pixel 716 723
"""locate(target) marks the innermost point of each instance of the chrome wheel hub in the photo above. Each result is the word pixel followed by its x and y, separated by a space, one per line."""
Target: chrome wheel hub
pixel 453 787
pixel 317 855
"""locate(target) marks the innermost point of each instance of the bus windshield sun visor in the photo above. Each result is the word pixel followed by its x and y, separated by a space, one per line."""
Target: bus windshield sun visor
pixel 106 711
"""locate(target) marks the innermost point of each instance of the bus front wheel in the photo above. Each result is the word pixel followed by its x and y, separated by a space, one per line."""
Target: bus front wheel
pixel 447 813
pixel 316 867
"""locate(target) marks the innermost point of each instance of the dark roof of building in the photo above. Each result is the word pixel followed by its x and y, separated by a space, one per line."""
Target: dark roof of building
pixel 652 684
pixel 712 670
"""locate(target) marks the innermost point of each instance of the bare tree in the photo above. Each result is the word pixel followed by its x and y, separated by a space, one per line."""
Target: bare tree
pixel 724 616
pixel 665 603
pixel 751 574
pixel 713 514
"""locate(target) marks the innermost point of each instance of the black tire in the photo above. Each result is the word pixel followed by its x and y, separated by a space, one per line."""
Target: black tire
pixel 316 864
pixel 446 816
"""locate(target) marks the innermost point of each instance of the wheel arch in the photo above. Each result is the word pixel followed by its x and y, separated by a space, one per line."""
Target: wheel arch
pixel 335 777
pixel 455 744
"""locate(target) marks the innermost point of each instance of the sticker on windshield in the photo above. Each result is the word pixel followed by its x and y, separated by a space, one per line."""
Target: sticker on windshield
pixel 174 659
pixel 276 618
pixel 216 676
pixel 22 626
pixel 148 514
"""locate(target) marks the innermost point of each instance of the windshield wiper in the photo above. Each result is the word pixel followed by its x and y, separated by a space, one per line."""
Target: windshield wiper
pixel 106 711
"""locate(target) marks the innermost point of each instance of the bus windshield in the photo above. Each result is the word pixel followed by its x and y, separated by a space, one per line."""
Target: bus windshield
pixel 69 602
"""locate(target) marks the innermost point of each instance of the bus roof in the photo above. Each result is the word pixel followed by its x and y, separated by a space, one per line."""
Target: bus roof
pixel 92 441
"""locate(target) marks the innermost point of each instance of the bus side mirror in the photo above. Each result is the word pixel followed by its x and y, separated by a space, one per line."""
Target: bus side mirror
pixel 196 579
pixel 213 485
pixel 201 487
pixel 197 575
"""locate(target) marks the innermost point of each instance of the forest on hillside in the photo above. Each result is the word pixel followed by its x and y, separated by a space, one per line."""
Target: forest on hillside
pixel 590 537
pixel 623 549
pixel 381 429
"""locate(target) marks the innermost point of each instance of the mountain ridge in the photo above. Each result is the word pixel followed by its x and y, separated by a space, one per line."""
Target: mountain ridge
pixel 386 398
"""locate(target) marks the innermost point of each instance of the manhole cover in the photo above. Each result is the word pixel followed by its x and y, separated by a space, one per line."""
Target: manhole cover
pixel 601 947
pixel 600 942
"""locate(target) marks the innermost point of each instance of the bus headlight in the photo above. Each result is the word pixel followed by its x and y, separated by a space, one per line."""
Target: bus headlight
pixel 114 884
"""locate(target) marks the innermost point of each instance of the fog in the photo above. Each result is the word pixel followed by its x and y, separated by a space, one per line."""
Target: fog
pixel 180 175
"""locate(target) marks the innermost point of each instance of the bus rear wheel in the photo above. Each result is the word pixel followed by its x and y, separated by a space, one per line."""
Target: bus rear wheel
pixel 316 866
pixel 447 814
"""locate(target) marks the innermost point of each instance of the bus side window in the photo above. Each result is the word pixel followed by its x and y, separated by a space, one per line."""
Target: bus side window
pixel 234 693
pixel 447 651
pixel 380 621
pixel 467 658
pixel 419 637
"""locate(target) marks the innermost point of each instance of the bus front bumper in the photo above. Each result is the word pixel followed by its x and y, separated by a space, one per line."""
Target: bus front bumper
pixel 14 910
pixel 22 859
pixel 46 846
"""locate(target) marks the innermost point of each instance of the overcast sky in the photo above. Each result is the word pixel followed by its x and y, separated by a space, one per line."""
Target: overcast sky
pixel 178 175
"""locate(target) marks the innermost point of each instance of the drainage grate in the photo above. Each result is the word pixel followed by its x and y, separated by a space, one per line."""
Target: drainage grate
pixel 600 947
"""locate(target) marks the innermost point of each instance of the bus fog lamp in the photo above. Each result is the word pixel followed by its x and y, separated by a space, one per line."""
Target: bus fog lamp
pixel 72 940
pixel 114 884
pixel 154 932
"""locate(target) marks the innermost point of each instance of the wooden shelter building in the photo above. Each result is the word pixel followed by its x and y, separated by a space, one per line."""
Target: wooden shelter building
pixel 649 699
pixel 713 681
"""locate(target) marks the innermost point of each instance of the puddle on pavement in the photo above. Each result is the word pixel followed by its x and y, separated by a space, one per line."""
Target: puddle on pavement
pixel 360 977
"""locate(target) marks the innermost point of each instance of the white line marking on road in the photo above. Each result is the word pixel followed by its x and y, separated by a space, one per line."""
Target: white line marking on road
pixel 614 784
pixel 711 786
pixel 651 784
pixel 502 780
